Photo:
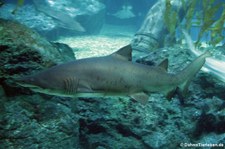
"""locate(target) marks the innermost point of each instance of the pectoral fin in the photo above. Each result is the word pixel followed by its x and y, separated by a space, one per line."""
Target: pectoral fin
pixel 84 87
pixel 164 65
pixel 140 97
pixel 170 94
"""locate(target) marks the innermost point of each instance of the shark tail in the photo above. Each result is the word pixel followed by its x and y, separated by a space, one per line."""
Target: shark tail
pixel 185 76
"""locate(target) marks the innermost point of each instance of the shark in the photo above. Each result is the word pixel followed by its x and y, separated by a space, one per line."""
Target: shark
pixel 112 75
pixel 63 19
pixel 125 12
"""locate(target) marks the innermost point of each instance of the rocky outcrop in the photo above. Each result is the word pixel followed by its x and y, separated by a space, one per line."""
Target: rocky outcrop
pixel 23 51
pixel 63 16
pixel 27 120
pixel 33 122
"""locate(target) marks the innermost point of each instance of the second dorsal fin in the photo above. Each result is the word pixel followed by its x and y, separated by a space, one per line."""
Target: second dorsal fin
pixel 164 64
pixel 123 53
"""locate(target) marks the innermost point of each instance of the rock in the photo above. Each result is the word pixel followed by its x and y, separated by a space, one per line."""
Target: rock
pixel 75 15
pixel 29 16
pixel 23 36
pixel 49 18
pixel 32 122
pixel 213 140
pixel 212 119
pixel 93 23
pixel 24 51
pixel 66 51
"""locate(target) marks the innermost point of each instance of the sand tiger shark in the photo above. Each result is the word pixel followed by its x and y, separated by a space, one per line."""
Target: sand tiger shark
pixel 112 75
pixel 125 12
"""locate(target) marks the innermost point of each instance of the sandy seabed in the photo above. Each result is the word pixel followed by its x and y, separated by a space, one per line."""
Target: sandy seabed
pixel 108 41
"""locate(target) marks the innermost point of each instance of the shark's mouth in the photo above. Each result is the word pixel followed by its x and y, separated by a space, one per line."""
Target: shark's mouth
pixel 23 82
pixel 44 90
pixel 33 87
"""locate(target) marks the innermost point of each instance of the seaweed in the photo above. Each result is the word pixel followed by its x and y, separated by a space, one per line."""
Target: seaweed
pixel 190 13
pixel 171 18
pixel 216 31
pixel 206 18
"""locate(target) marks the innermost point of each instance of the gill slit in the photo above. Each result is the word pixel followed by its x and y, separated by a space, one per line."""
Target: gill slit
pixel 71 85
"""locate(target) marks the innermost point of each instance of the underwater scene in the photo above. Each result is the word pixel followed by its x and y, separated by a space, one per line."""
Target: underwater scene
pixel 112 74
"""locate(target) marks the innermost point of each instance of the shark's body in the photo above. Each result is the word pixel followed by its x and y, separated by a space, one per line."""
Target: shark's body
pixel 113 75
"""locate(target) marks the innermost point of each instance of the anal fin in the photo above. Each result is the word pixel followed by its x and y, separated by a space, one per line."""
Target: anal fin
pixel 170 94
pixel 140 97
pixel 183 88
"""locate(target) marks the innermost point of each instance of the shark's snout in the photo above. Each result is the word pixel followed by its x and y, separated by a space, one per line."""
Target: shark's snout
pixel 25 81
pixel 39 83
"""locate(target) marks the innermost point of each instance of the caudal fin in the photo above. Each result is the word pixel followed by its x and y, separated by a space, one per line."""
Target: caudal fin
pixel 186 75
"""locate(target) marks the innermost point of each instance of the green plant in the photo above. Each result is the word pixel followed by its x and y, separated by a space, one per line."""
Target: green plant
pixel 171 17
pixel 210 23
pixel 205 18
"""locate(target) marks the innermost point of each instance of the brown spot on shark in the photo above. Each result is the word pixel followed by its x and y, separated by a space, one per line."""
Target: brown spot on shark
pixel 112 75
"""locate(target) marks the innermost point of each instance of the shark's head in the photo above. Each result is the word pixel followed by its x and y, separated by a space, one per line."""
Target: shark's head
pixel 34 83
pixel 43 83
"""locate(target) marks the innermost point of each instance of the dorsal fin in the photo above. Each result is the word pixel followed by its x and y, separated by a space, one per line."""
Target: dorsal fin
pixel 123 53
pixel 164 64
